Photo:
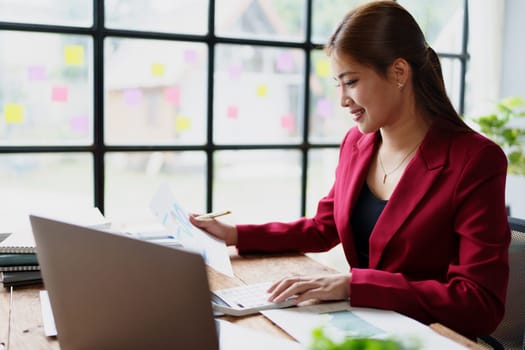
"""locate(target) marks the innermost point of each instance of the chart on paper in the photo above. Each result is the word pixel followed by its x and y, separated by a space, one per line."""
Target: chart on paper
pixel 175 219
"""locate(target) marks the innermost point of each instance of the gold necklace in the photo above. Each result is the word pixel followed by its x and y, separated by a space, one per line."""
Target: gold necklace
pixel 385 173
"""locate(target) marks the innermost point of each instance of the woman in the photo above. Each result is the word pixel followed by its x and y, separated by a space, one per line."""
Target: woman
pixel 418 201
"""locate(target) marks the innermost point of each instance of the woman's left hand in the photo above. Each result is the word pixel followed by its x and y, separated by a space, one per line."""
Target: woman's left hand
pixel 331 287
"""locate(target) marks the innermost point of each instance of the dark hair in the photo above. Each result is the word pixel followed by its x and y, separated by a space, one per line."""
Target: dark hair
pixel 377 33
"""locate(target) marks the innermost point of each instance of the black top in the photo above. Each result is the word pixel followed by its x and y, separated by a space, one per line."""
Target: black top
pixel 363 219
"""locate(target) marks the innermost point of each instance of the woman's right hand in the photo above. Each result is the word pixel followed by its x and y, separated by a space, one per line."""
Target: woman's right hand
pixel 225 232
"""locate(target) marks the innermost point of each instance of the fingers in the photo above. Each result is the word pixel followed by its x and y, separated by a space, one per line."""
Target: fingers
pixel 333 287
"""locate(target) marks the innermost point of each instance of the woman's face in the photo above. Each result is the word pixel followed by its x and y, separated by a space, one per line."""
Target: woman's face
pixel 373 100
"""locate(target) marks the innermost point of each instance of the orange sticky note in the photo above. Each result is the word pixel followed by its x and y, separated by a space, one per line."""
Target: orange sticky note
pixel 74 55
pixel 262 90
pixel 13 113
pixel 182 123
pixel 157 69
pixel 322 68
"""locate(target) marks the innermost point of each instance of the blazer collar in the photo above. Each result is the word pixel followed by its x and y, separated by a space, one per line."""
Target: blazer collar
pixel 427 164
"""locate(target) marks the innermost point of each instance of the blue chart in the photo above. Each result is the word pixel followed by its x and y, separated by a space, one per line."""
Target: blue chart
pixel 351 325
pixel 176 220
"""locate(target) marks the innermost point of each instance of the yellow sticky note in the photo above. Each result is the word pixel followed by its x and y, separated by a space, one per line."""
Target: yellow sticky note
pixel 262 90
pixel 157 69
pixel 74 55
pixel 13 113
pixel 182 123
pixel 322 68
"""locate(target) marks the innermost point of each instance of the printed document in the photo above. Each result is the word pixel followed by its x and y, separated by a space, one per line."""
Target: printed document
pixel 175 219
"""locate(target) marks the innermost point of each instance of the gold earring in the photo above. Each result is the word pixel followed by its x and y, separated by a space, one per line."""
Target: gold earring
pixel 399 85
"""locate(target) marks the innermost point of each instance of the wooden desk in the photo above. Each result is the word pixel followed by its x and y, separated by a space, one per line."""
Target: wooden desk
pixel 26 321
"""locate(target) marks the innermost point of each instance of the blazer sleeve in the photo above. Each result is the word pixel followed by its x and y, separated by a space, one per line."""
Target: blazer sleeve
pixel 471 298
pixel 316 234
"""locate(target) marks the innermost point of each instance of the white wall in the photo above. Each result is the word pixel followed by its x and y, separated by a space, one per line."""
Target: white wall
pixel 513 84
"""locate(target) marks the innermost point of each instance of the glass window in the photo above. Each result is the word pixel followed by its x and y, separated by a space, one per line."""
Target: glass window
pixel 326 15
pixel 173 16
pixel 258 95
pixel 132 178
pixel 320 177
pixel 329 122
pixel 281 20
pixel 441 21
pixel 43 182
pixel 46 89
pixel 258 185
pixel 57 12
pixel 155 92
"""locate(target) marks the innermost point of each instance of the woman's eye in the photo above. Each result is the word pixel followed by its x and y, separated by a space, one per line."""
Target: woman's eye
pixel 350 82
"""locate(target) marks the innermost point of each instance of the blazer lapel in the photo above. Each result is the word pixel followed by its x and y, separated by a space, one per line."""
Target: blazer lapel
pixel 425 167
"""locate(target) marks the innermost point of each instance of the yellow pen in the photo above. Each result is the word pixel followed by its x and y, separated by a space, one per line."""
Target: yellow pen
pixel 213 215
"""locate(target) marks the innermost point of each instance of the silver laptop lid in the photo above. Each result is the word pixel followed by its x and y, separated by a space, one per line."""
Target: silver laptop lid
pixel 113 292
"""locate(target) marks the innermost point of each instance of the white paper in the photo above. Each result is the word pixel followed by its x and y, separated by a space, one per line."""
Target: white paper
pixel 175 219
pixel 340 320
pixel 47 315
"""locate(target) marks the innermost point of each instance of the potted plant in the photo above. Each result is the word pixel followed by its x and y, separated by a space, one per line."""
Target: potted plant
pixel 502 127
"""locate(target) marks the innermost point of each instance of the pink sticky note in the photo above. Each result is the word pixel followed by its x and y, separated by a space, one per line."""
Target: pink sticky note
pixel 324 107
pixel 79 124
pixel 190 56
pixel 132 97
pixel 233 112
pixel 235 71
pixel 59 94
pixel 172 95
pixel 36 73
pixel 285 61
pixel 288 121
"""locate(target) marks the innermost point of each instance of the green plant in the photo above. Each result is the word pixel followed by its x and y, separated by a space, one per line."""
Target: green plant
pixel 498 127
pixel 322 342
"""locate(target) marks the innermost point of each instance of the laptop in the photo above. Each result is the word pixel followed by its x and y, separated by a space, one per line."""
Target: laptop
pixel 110 291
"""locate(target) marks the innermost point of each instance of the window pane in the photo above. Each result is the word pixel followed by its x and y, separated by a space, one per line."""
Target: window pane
pixel 132 178
pixel 329 122
pixel 258 95
pixel 43 182
pixel 46 89
pixel 326 15
pixel 452 75
pixel 321 176
pixel 282 20
pixel 155 92
pixel 441 21
pixel 173 16
pixel 258 185
pixel 56 12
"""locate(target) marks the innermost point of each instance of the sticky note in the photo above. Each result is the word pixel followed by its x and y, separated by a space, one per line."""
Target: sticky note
pixel 235 71
pixel 133 97
pixel 182 123
pixel 324 107
pixel 79 124
pixel 322 68
pixel 233 112
pixel 59 94
pixel 74 55
pixel 13 113
pixel 190 56
pixel 36 73
pixel 288 122
pixel 285 62
pixel 262 90
pixel 172 95
pixel 157 69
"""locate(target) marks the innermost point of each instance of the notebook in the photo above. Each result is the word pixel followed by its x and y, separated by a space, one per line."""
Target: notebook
pixel 110 291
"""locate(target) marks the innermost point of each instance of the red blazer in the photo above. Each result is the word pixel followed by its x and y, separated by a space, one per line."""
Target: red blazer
pixel 439 250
